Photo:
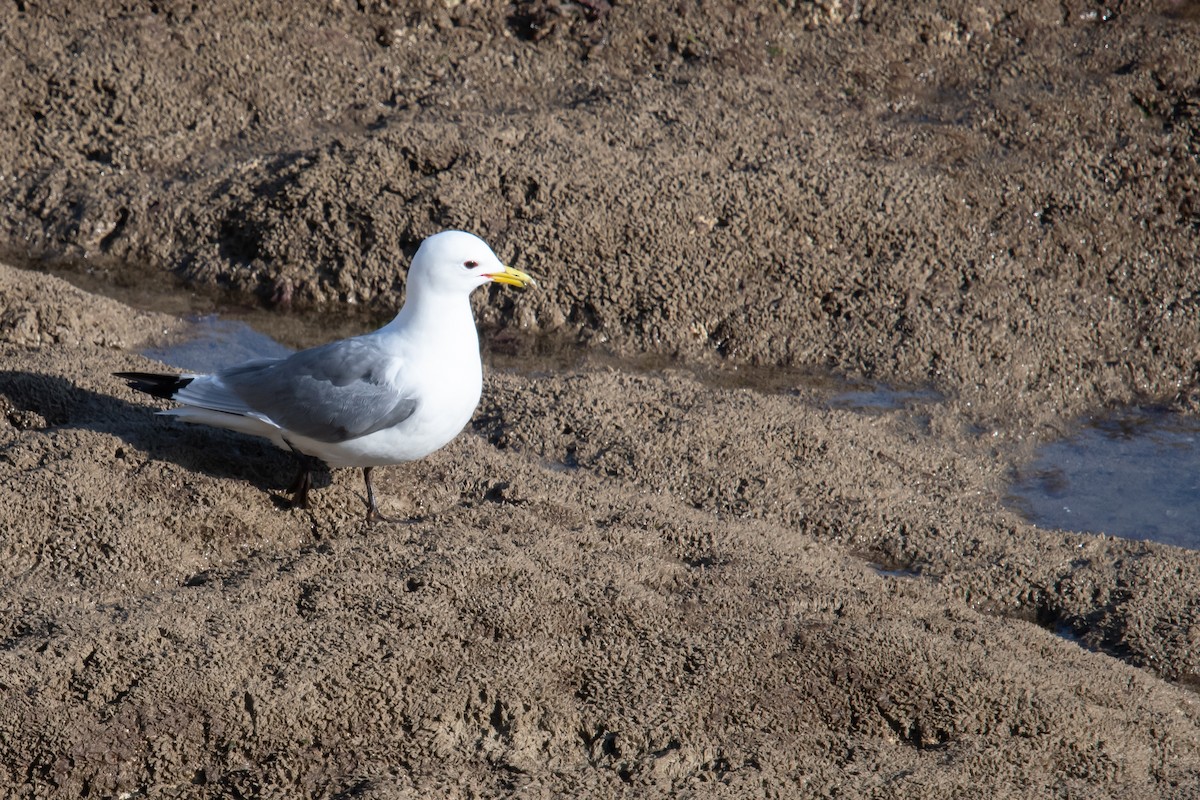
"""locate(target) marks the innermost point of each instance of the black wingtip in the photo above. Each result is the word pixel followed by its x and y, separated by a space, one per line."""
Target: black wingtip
pixel 153 383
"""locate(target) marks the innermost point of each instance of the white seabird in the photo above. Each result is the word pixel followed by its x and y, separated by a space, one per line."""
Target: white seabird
pixel 386 397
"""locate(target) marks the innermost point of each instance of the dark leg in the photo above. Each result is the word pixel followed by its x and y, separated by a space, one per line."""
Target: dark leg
pixel 303 481
pixel 372 509
pixel 302 484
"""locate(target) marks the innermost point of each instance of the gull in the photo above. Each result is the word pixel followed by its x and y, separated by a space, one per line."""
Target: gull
pixel 387 397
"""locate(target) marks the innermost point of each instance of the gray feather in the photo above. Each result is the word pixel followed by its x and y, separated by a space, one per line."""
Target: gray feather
pixel 331 393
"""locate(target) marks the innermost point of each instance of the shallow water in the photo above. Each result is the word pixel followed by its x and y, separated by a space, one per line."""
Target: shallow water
pixel 167 295
pixel 1135 474
pixel 209 343
pixel 221 333
pixel 875 397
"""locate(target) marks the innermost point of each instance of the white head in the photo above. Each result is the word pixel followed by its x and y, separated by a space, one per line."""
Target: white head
pixel 457 262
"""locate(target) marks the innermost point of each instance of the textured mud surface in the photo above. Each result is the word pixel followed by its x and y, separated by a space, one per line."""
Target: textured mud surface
pixel 697 577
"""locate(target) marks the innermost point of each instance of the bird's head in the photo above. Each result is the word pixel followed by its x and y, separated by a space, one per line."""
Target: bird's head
pixel 458 262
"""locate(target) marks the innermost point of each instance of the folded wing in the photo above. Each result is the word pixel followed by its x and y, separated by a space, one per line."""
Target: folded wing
pixel 331 393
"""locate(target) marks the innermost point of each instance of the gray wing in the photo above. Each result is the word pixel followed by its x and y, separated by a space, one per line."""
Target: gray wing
pixel 330 393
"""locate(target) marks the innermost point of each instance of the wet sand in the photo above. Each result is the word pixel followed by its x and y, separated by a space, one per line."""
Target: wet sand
pixel 667 563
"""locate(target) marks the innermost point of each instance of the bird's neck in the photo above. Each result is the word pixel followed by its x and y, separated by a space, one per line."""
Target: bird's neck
pixel 441 315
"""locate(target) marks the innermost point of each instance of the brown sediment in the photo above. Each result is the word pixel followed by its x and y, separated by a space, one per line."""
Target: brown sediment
pixel 654 579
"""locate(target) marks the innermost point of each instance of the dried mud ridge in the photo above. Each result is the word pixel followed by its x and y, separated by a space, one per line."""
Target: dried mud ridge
pixel 618 582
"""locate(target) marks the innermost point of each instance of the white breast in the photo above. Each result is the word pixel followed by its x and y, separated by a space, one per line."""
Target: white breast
pixel 448 390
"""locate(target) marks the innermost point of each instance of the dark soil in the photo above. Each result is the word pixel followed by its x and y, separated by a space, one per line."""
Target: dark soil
pixel 661 562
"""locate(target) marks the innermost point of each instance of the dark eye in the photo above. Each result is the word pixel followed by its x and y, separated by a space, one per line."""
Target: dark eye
pixel 470 264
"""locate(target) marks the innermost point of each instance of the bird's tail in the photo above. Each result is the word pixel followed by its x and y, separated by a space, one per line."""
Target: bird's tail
pixel 154 383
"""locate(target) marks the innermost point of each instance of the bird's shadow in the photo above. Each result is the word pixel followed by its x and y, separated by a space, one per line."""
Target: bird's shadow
pixel 32 400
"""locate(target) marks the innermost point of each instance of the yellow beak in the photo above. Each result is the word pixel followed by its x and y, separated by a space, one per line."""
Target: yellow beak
pixel 513 277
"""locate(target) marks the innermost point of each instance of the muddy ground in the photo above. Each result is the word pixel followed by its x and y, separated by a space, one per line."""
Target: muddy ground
pixel 661 562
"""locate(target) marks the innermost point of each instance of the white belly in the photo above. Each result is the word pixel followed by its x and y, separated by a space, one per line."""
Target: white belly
pixel 422 433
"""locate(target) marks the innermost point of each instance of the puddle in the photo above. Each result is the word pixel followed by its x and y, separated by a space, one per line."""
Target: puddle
pixel 546 355
pixel 212 341
pixel 221 333
pixel 1135 474
pixel 880 398
pixel 167 294
pixel 209 343
pixel 899 574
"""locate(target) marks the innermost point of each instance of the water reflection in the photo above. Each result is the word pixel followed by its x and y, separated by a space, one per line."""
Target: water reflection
pixel 879 397
pixel 1135 474
pixel 209 343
